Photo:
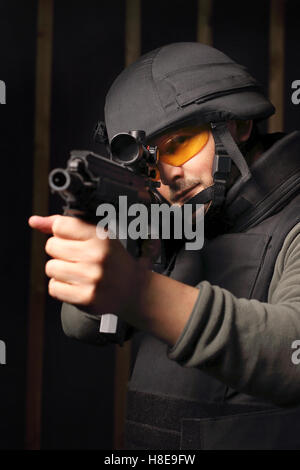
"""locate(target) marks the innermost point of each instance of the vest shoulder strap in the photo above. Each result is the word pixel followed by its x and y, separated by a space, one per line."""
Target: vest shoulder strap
pixel 282 223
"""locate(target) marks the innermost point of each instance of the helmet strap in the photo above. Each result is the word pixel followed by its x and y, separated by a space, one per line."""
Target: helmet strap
pixel 226 150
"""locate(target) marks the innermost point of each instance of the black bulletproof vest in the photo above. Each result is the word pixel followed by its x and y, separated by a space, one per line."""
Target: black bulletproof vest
pixel 174 407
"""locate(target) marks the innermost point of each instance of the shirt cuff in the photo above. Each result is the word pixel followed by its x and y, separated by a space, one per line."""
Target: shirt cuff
pixel 185 344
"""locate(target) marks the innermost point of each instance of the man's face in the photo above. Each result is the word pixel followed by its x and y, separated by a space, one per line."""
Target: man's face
pixel 186 159
pixel 181 182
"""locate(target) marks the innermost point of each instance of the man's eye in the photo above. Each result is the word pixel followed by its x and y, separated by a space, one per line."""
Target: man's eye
pixel 180 139
pixel 169 150
pixel 172 146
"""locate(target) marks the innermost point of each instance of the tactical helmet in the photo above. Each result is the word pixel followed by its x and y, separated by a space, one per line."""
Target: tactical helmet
pixel 178 82
pixel 184 82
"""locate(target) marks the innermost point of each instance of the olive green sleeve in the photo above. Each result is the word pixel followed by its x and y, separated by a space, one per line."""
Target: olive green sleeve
pixel 80 325
pixel 85 327
pixel 247 344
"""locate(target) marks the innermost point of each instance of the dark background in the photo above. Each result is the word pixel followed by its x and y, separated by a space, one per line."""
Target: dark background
pixel 88 53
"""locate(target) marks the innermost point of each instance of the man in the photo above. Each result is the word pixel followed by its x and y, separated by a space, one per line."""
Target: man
pixel 214 369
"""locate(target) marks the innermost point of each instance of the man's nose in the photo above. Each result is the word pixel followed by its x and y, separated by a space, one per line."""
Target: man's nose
pixel 170 173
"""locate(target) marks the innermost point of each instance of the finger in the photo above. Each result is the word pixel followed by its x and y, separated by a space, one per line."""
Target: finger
pixel 73 273
pixel 43 224
pixel 90 251
pixel 67 250
pixel 72 228
pixel 79 295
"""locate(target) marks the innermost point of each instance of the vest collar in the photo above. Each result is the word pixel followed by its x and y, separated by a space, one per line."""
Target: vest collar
pixel 274 182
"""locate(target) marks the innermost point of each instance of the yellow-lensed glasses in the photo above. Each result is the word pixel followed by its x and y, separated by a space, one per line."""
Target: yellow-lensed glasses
pixel 179 146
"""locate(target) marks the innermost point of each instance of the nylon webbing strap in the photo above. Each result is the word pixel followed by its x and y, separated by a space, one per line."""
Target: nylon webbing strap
pixel 214 193
pixel 222 135
pixel 203 197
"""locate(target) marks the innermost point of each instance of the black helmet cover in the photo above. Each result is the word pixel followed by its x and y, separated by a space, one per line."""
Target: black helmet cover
pixel 182 82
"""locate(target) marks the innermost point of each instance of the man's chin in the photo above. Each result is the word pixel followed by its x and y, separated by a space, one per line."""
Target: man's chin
pixel 185 200
pixel 180 200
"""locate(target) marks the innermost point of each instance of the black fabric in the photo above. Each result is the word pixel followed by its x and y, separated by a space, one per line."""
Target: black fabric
pixel 275 180
pixel 287 221
pixel 222 133
pixel 170 412
pixel 200 84
pixel 262 430
pixel 157 438
pixel 178 83
pixel 186 425
pixel 242 262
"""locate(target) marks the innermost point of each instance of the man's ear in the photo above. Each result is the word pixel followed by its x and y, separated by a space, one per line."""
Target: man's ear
pixel 243 130
pixel 240 130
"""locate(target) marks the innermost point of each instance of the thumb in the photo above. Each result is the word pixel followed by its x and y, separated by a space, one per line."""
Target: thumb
pixel 43 224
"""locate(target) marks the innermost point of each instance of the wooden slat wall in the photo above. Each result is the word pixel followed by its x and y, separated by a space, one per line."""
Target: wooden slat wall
pixel 40 196
pixel 132 31
pixel 38 285
pixel 277 63
pixel 132 52
pixel 204 29
pixel 123 354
